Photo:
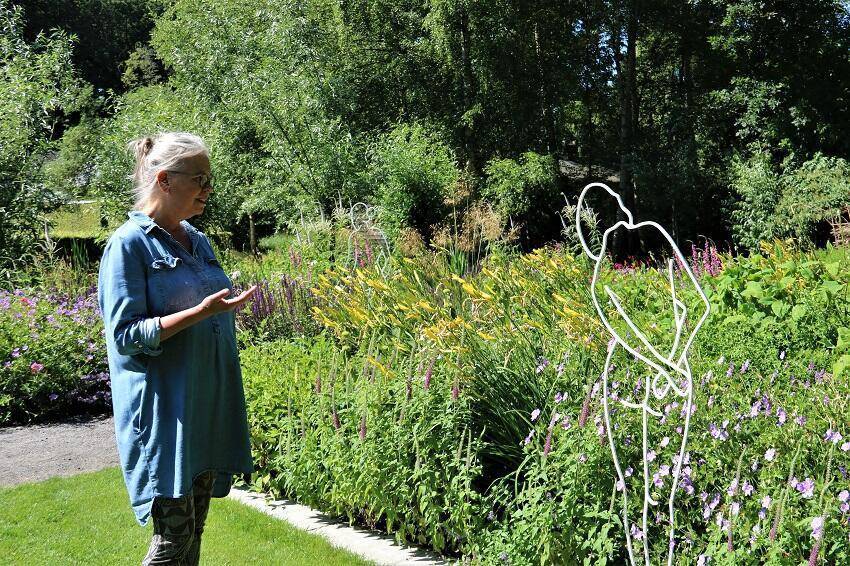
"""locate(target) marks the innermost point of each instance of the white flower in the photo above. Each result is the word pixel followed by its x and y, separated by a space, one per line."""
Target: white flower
pixel 770 455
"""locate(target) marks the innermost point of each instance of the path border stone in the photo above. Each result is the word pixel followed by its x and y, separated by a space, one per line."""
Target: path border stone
pixel 371 545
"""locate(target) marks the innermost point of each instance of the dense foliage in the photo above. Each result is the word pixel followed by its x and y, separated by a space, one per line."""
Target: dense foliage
pixel 37 83
pixel 507 362
pixel 733 111
pixel 461 409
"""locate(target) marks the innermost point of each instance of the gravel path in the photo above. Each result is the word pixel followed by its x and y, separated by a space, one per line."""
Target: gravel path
pixel 37 452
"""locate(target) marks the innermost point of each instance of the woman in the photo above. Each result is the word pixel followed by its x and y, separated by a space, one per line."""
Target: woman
pixel 180 418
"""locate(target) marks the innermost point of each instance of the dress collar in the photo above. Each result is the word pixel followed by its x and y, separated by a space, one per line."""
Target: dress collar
pixel 147 223
pixel 144 221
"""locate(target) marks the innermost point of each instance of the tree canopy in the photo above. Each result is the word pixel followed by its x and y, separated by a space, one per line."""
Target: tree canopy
pixel 676 100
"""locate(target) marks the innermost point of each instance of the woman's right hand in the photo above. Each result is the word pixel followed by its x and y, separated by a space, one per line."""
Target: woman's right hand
pixel 217 303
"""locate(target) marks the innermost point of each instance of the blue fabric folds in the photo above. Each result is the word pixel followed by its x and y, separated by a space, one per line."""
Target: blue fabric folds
pixel 179 405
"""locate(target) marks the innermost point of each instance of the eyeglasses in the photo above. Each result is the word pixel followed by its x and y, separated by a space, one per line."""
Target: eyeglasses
pixel 204 181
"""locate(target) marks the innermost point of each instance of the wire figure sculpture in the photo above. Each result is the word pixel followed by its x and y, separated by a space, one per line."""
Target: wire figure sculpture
pixel 365 230
pixel 672 372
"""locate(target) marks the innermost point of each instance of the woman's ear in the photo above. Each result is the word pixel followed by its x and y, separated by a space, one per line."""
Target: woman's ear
pixel 162 180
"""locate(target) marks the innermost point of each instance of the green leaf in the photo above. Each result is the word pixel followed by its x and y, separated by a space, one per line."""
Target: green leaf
pixel 841 366
pixel 831 287
pixel 843 343
pixel 799 311
pixel 754 290
pixel 780 308
pixel 833 268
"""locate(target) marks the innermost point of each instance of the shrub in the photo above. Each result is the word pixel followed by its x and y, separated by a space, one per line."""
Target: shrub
pixel 349 435
pixel 411 171
pixel 37 86
pixel 789 201
pixel 517 355
pixel 518 188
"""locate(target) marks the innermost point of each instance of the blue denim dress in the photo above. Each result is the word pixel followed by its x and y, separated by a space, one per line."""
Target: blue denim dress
pixel 179 405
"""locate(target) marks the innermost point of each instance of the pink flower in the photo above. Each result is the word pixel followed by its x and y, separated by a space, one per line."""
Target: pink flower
pixel 36 367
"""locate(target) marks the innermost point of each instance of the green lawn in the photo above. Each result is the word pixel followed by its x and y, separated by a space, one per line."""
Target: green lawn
pixel 86 519
pixel 76 221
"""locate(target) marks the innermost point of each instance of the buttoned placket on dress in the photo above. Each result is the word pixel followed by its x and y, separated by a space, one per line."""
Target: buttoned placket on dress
pixel 196 265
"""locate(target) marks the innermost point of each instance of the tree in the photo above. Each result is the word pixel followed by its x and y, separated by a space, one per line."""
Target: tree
pixel 37 88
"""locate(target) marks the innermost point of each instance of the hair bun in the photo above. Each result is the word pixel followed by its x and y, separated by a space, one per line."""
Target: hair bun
pixel 141 148
pixel 147 145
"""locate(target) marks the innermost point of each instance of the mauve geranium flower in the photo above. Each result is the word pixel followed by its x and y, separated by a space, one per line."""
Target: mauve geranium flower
pixel 36 367
pixel 806 488
pixel 844 498
pixel 832 436
pixel 637 534
pixel 534 414
pixel 817 528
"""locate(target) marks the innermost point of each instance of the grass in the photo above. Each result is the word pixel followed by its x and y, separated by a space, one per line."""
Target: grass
pixel 86 519
pixel 76 221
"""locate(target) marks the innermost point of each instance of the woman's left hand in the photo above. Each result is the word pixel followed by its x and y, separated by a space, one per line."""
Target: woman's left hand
pixel 217 303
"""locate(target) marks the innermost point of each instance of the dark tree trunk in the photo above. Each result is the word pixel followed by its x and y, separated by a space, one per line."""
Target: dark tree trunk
pixel 467 92
pixel 626 79
pixel 252 235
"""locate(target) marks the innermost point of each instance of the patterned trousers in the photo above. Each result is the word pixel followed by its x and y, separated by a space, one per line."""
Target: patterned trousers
pixel 178 524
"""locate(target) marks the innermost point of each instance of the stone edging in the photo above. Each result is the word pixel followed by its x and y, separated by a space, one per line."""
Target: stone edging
pixel 371 545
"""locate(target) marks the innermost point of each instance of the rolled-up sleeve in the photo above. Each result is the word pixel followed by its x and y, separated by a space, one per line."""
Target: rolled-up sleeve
pixel 122 294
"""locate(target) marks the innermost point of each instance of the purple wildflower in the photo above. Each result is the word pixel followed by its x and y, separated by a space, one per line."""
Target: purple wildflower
pixel 806 488
pixel 427 382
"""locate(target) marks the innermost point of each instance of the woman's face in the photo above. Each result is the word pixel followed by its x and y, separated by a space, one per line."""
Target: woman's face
pixel 184 194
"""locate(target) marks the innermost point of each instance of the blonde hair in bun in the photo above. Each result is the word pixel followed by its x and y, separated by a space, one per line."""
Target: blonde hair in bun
pixel 165 150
